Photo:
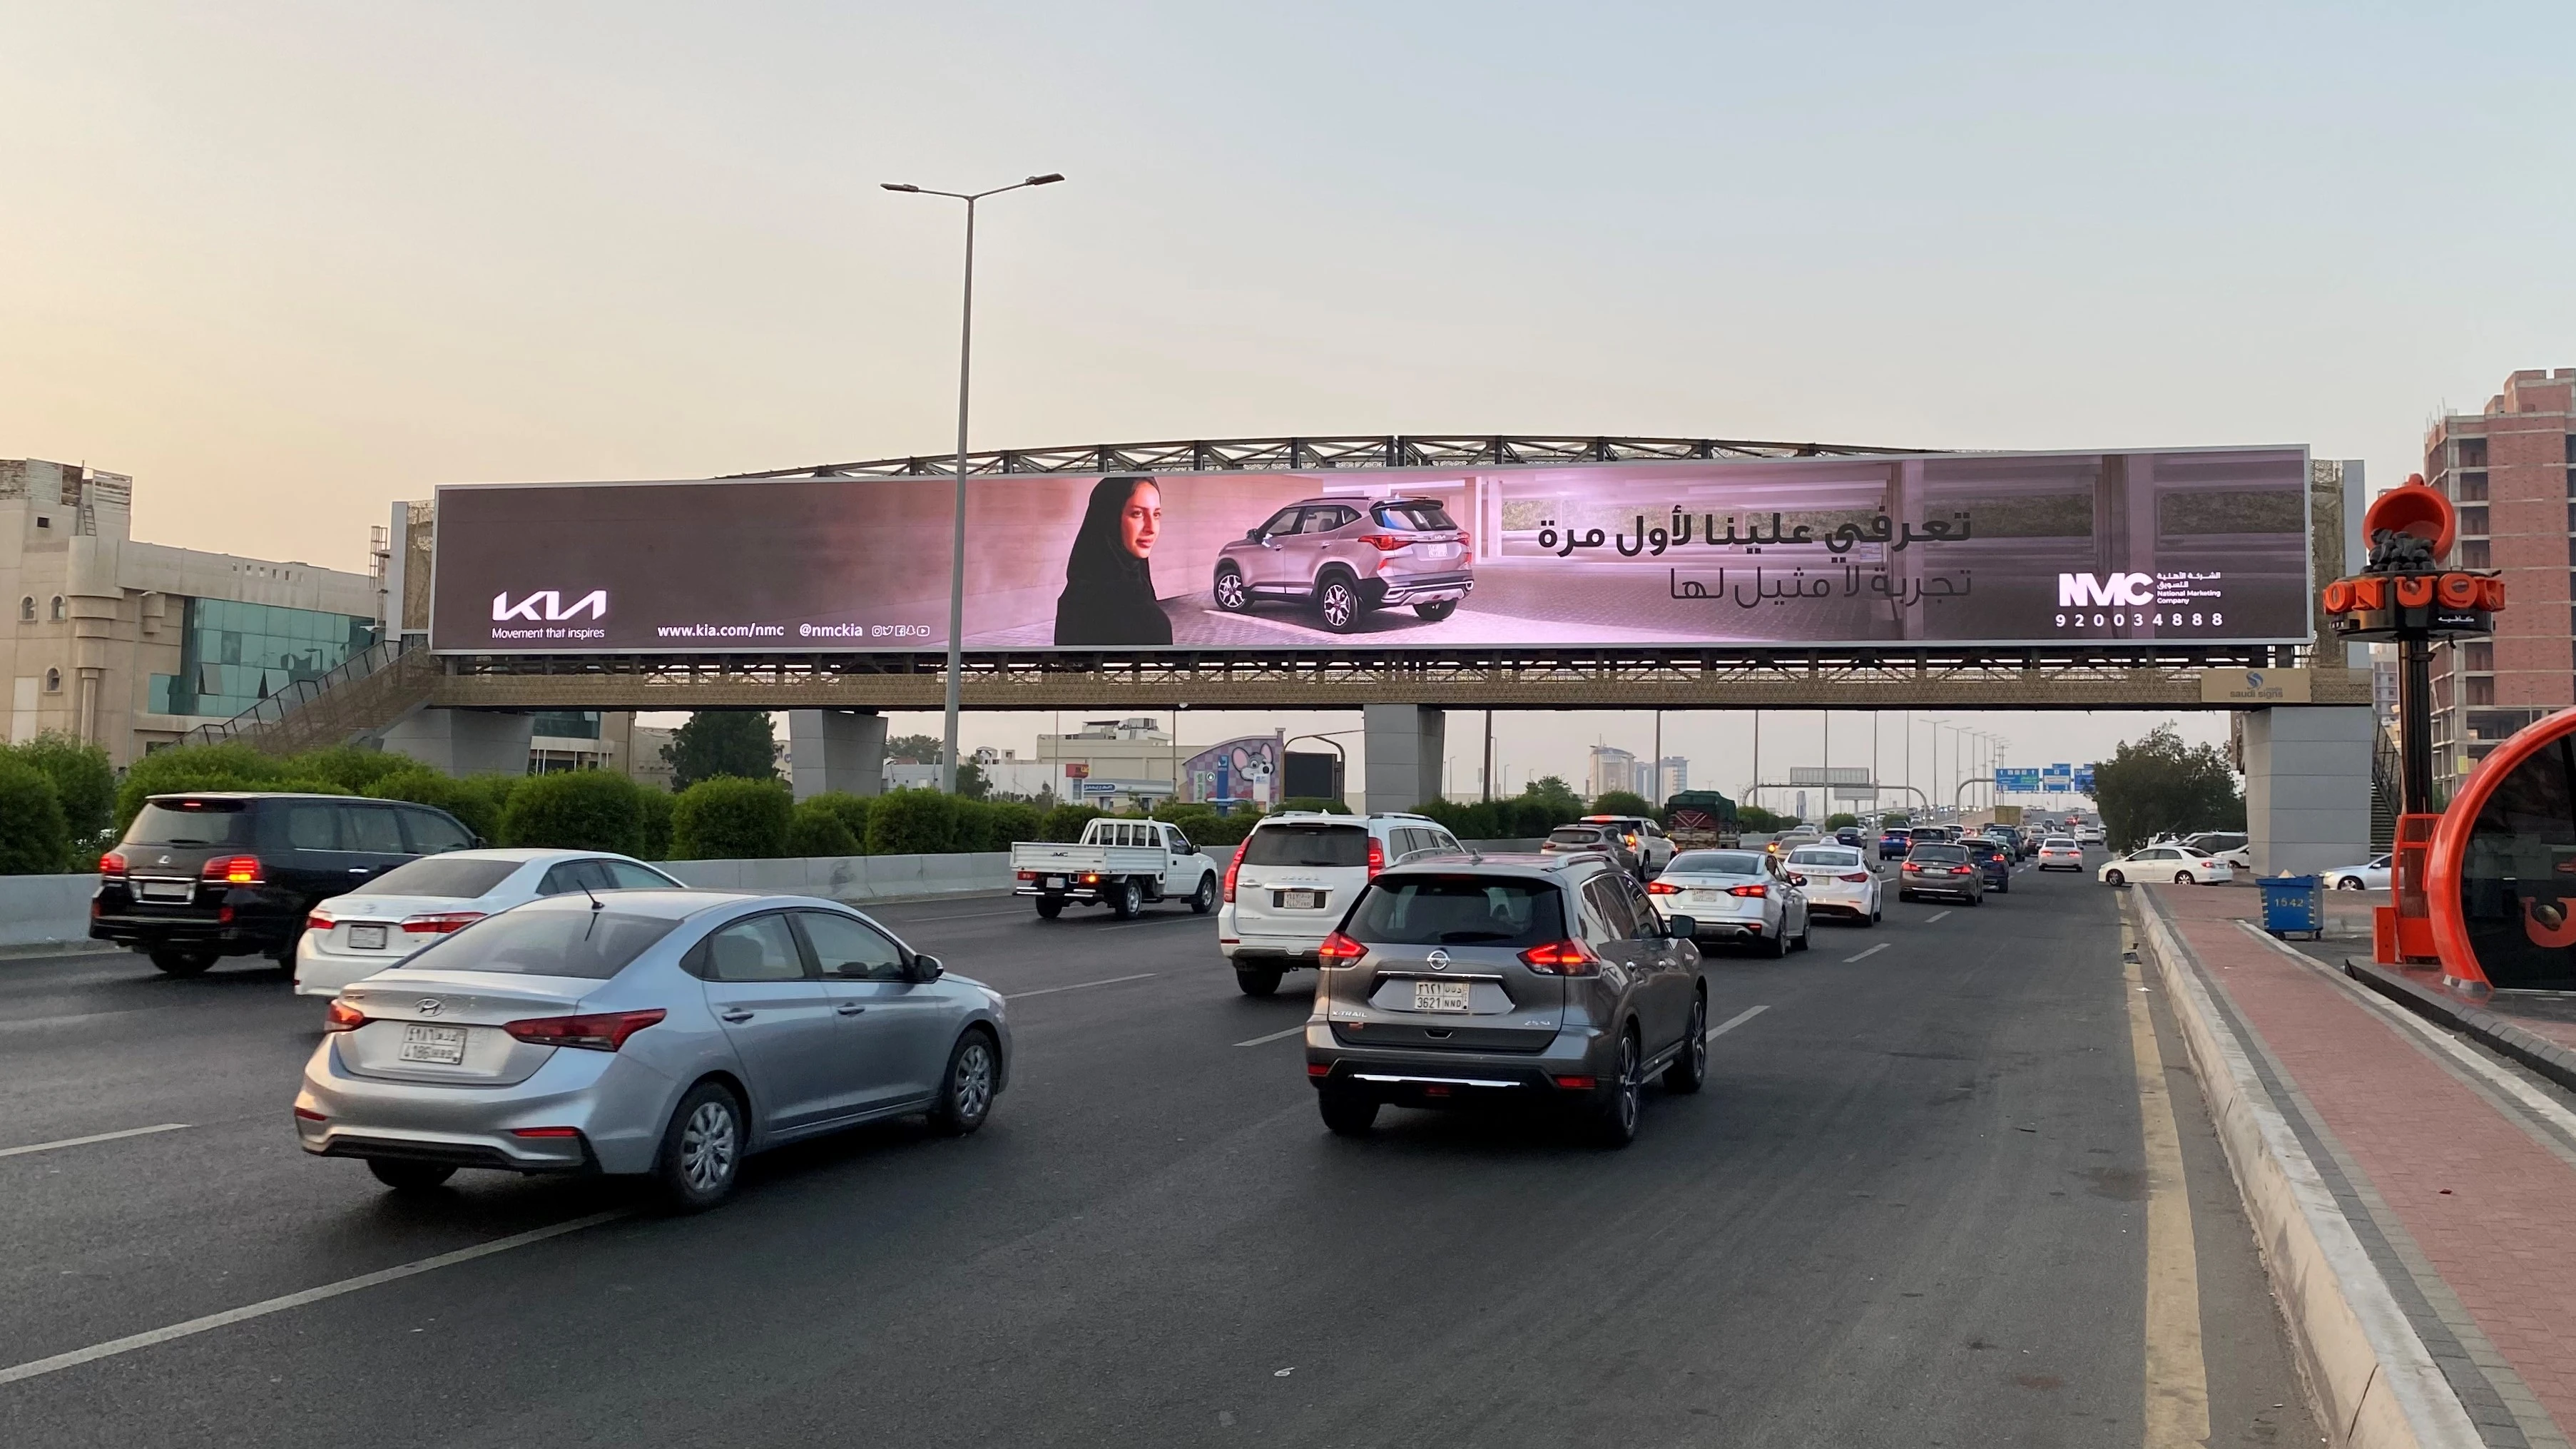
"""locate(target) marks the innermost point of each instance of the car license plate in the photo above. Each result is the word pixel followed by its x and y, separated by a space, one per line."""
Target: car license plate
pixel 366 938
pixel 1703 898
pixel 1298 900
pixel 1055 882
pixel 1442 550
pixel 1440 996
pixel 440 1045
pixel 167 890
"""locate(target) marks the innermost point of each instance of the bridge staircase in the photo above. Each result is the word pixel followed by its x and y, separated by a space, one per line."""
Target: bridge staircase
pixel 354 703
pixel 2386 791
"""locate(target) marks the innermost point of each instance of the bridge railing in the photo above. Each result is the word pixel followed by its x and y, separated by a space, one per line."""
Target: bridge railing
pixel 272 712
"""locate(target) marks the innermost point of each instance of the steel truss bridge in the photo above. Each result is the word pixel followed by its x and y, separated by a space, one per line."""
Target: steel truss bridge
pixel 1230 455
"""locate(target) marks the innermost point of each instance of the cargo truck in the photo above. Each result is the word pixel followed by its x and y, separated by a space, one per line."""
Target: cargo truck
pixel 1701 820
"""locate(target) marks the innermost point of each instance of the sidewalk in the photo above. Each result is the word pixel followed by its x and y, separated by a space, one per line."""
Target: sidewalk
pixel 2452 1173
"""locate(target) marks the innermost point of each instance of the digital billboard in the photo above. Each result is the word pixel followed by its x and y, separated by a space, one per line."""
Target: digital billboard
pixel 2186 545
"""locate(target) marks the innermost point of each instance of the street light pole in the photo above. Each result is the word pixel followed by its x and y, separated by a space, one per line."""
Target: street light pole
pixel 957 528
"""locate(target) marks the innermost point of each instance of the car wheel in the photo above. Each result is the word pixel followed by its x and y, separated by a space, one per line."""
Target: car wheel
pixel 1779 942
pixel 2115 878
pixel 1257 980
pixel 410 1176
pixel 1204 900
pixel 1614 1122
pixel 966 1093
pixel 1871 919
pixel 1050 907
pixel 1905 895
pixel 701 1149
pixel 1131 901
pixel 1437 609
pixel 2182 877
pixel 1346 1114
pixel 177 962
pixel 1690 1070
pixel 2348 883
pixel 1339 602
pixel 1978 899
pixel 1231 593
pixel 1806 929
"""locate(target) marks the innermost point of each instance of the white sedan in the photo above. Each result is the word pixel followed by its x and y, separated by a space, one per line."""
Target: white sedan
pixel 2177 863
pixel 2371 877
pixel 1837 880
pixel 350 937
pixel 2060 852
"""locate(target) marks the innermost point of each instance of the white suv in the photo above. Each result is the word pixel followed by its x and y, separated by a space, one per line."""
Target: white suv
pixel 1294 876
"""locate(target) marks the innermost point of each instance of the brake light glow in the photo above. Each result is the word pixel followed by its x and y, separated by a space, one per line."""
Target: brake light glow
pixel 1562 958
pixel 1338 947
pixel 1377 856
pixel 440 923
pixel 112 863
pixel 235 870
pixel 1662 888
pixel 1858 877
pixel 1912 869
pixel 341 1016
pixel 1757 889
pixel 320 921
pixel 602 1031
pixel 1235 868
pixel 1384 542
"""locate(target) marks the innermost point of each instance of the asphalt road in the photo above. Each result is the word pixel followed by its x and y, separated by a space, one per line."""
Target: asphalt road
pixel 1909 1210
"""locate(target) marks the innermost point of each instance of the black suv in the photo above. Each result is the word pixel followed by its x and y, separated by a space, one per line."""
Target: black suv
pixel 232 873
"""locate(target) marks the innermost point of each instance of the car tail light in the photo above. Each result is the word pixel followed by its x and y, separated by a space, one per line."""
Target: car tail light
pixel 440 923
pixel 1858 877
pixel 545 1132
pixel 307 1114
pixel 1319 1069
pixel 320 921
pixel 1234 868
pixel 602 1031
pixel 1377 856
pixel 341 1016
pixel 1466 540
pixel 1749 890
pixel 1384 542
pixel 235 870
pixel 1338 947
pixel 1912 869
pixel 1028 875
pixel 1578 1084
pixel 1562 958
pixel 112 863
pixel 1662 888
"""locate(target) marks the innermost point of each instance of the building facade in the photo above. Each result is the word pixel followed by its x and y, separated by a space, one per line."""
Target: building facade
pixel 129 645
pixel 1112 763
pixel 2511 469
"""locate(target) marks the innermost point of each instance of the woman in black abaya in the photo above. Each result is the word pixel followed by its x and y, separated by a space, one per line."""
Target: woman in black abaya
pixel 1108 593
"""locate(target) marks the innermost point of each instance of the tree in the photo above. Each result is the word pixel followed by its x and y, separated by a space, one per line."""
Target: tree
pixel 971 782
pixel 32 838
pixel 914 749
pixel 1555 794
pixel 1841 818
pixel 737 742
pixel 1624 802
pixel 2159 784
pixel 84 785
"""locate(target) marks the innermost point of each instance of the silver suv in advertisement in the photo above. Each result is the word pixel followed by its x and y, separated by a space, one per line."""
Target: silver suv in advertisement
pixel 1346 556
pixel 1506 980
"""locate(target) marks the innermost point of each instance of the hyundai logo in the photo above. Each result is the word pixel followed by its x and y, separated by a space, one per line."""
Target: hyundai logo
pixel 430 1006
pixel 1439 960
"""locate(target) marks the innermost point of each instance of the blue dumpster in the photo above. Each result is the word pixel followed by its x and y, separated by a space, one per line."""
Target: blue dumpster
pixel 2293 903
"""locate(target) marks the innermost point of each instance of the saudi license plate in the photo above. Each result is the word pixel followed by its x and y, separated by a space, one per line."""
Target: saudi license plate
pixel 1440 996
pixel 167 890
pixel 1055 882
pixel 438 1045
pixel 366 938
pixel 1298 900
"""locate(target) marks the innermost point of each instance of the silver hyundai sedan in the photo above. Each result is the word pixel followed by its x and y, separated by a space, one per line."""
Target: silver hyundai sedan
pixel 668 1033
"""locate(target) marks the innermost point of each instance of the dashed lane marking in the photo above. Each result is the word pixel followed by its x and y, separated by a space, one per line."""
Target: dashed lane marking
pixel 1865 955
pixel 93 1137
pixel 1274 1036
pixel 1738 1019
pixel 1080 985
pixel 1936 915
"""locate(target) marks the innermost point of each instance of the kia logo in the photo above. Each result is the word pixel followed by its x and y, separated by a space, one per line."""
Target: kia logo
pixel 1439 960
pixel 2078 591
pixel 430 1006
pixel 594 603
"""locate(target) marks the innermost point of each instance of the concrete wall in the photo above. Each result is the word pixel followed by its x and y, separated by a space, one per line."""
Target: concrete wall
pixel 464 741
pixel 43 910
pixel 2307 788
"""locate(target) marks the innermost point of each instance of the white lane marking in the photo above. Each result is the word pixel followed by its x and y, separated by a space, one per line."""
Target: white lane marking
pixel 1079 985
pixel 29 1022
pixel 967 916
pixel 1936 915
pixel 93 1137
pixel 1738 1019
pixel 1157 921
pixel 128 1344
pixel 1274 1036
pixel 1865 955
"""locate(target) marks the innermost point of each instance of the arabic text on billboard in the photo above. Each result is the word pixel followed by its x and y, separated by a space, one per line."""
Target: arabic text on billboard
pixel 2204 545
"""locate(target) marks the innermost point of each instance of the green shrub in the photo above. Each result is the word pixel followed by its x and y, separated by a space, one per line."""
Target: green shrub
pixel 84 785
pixel 467 800
pixel 912 822
pixel 727 818
pixel 851 810
pixel 500 787
pixel 33 840
pixel 653 811
pixel 349 767
pixel 1064 823
pixel 974 828
pixel 818 830
pixel 1011 822
pixel 575 810
pixel 229 766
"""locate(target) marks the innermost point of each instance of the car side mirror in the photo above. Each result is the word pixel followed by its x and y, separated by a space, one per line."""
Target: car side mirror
pixel 926 967
pixel 1681 928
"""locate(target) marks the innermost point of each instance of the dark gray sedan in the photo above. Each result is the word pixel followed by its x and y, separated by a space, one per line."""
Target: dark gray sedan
pixel 669 1033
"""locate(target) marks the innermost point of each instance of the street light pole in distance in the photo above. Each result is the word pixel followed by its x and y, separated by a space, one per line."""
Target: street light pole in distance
pixel 957 531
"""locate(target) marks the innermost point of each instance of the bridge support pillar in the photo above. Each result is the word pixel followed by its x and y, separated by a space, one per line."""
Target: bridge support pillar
pixel 2307 788
pixel 836 749
pixel 464 741
pixel 1403 744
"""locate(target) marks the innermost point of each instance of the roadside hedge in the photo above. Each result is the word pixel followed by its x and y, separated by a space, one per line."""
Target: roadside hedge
pixel 653 817
pixel 725 817
pixel 816 830
pixel 576 810
pixel 84 786
pixel 851 810
pixel 33 838
pixel 1064 823
pixel 469 800
pixel 913 822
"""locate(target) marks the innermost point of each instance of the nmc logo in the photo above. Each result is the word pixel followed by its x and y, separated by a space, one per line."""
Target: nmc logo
pixel 594 603
pixel 2083 591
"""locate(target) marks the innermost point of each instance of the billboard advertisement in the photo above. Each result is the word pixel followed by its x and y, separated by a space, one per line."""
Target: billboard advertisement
pixel 2189 545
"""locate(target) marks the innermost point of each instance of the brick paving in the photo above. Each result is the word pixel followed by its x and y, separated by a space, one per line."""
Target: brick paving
pixel 2488 1201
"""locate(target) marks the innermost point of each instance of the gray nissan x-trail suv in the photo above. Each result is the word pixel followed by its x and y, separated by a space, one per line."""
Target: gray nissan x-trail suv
pixel 1501 979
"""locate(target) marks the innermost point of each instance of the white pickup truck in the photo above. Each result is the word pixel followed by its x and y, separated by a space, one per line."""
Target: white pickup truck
pixel 1121 864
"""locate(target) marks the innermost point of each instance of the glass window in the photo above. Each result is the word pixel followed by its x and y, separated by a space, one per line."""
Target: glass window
pixel 1716 862
pixel 1939 853
pixel 1607 914
pixel 1284 521
pixel 373 829
pixel 760 949
pixel 1307 845
pixel 311 825
pixel 632 877
pixel 550 939
pixel 1650 926
pixel 1457 910
pixel 430 832
pixel 211 822
pixel 567 877
pixel 459 879
pixel 1420 515
pixel 845 947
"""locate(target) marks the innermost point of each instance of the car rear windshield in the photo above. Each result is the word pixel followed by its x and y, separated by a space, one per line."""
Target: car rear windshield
pixel 2055 842
pixel 1715 862
pixel 1824 857
pixel 1311 845
pixel 594 945
pixel 1420 516
pixel 440 875
pixel 1943 853
pixel 1574 835
pixel 194 822
pixel 1457 910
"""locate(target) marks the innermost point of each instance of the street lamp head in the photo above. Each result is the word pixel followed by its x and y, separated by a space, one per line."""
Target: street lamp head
pixel 898 186
pixel 1048 179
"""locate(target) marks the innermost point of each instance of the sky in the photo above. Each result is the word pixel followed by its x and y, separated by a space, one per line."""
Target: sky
pixel 286 263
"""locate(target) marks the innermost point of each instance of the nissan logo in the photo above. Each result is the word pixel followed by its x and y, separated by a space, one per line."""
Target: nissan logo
pixel 430 1006
pixel 1439 960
